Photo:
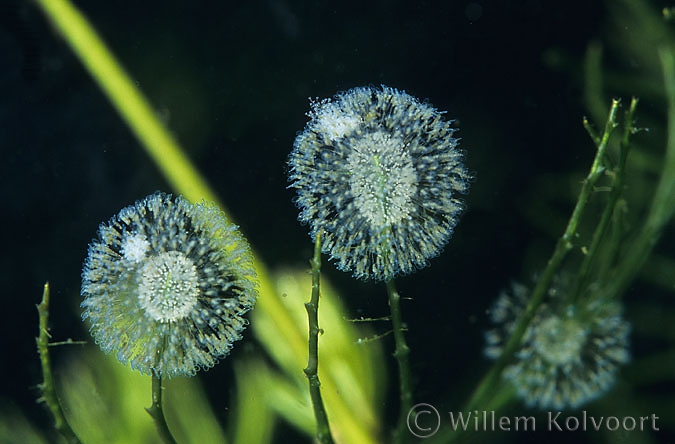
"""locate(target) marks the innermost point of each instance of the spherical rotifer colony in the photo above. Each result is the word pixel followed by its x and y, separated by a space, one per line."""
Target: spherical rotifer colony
pixel 166 285
pixel 378 173
pixel 569 354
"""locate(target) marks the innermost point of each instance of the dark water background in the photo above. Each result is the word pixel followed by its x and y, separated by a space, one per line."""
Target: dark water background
pixel 232 81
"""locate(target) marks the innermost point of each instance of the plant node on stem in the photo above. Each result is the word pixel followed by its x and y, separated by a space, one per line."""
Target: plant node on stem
pixel 323 434
pixel 47 387
pixel 402 354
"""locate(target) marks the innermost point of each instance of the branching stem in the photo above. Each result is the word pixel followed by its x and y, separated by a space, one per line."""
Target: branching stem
pixel 47 386
pixel 663 203
pixel 486 387
pixel 617 188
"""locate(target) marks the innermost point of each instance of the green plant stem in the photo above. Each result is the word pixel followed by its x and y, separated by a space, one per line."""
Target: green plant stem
pixel 139 116
pixel 485 387
pixel 47 386
pixel 157 412
pixel 323 434
pixel 617 188
pixel 122 92
pixel 663 203
pixel 402 354
pixel 175 166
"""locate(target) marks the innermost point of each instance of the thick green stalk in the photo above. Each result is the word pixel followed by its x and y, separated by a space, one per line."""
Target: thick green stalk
pixel 132 106
pixel 402 354
pixel 180 172
pixel 47 386
pixel 323 435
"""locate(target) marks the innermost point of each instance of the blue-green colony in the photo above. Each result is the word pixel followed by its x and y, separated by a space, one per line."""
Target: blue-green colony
pixel 378 173
pixel 569 354
pixel 166 285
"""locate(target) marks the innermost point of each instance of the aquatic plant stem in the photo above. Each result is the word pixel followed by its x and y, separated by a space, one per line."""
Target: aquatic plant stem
pixel 47 387
pixel 402 354
pixel 122 92
pixel 486 386
pixel 662 205
pixel 71 25
pixel 618 175
pixel 157 412
pixel 323 435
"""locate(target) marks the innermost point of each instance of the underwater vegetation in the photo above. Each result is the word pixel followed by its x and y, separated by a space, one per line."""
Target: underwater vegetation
pixel 377 174
pixel 514 285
